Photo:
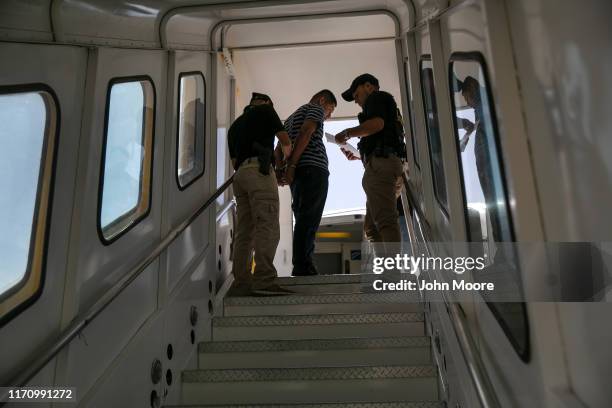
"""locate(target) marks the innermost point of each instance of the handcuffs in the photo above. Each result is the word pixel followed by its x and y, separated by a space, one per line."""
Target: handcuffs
pixel 282 170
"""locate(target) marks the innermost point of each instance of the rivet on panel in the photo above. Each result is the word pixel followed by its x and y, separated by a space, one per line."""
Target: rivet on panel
pixel 193 315
pixel 155 400
pixel 156 371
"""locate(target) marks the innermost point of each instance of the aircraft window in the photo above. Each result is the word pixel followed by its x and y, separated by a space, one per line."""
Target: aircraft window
pixel 413 137
pixel 28 130
pixel 191 128
pixel 127 152
pixel 222 162
pixel 433 133
pixel 486 206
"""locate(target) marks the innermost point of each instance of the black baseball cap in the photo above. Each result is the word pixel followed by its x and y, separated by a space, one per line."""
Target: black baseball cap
pixel 256 96
pixel 360 80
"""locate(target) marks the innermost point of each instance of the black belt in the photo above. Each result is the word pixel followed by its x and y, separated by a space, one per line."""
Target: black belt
pixel 379 152
pixel 247 161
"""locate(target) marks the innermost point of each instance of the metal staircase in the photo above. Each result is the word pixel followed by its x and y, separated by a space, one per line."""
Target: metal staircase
pixel 332 344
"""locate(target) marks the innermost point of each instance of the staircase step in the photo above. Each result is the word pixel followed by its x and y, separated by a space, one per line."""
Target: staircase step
pixel 297 304
pixel 321 279
pixel 420 404
pixel 310 385
pixel 313 289
pixel 364 325
pixel 338 279
pixel 315 353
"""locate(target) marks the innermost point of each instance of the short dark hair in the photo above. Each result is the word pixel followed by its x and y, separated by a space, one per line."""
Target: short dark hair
pixel 470 84
pixel 327 95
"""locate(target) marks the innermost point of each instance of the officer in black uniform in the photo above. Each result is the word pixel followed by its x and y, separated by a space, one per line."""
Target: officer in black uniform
pixel 251 144
pixel 382 150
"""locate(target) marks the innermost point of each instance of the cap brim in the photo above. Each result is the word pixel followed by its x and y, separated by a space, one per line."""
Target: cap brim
pixel 348 95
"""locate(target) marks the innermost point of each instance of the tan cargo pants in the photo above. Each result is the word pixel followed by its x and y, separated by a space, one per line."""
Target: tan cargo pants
pixel 382 183
pixel 257 226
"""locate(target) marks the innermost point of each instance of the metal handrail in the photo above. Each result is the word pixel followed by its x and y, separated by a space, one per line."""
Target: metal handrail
pixel 46 353
pixel 478 373
pixel 228 206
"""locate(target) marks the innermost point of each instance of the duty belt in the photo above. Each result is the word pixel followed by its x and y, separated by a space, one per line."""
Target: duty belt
pixel 379 152
pixel 250 160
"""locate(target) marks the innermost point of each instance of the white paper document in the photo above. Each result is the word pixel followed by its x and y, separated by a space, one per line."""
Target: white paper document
pixel 346 146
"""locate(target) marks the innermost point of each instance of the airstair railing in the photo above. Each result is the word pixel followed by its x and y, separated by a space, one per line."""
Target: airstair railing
pixel 224 210
pixel 478 373
pixel 48 352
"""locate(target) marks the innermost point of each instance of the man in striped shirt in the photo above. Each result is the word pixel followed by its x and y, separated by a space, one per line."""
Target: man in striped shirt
pixel 307 173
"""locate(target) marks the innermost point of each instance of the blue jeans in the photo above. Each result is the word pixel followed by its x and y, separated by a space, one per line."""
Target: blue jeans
pixel 309 192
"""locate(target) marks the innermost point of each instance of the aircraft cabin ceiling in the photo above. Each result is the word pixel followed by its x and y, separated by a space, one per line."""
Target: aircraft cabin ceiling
pixel 188 24
pixel 271 41
pixel 322 29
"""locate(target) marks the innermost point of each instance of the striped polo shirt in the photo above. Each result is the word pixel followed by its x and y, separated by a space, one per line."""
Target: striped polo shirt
pixel 315 153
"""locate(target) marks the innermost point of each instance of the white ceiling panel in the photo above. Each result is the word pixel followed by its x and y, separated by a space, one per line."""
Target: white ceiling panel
pixel 310 30
pixel 292 75
pixel 191 32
